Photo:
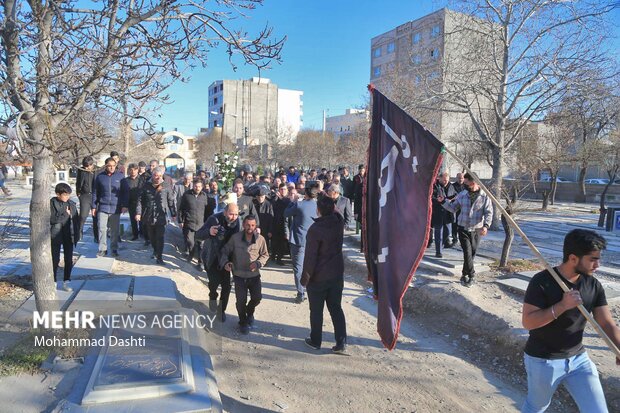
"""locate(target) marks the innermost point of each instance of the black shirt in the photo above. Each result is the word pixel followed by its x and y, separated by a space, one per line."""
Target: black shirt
pixel 562 338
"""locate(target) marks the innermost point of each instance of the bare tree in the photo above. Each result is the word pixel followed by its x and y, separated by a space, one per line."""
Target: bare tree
pixel 510 61
pixel 611 163
pixel 58 57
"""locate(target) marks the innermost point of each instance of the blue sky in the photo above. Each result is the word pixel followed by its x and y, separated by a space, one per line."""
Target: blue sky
pixel 327 56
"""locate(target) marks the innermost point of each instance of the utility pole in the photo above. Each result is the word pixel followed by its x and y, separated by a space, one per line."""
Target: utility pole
pixel 222 130
pixel 324 121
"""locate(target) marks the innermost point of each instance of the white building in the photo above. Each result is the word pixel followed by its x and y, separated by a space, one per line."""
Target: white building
pixel 250 111
pixel 345 124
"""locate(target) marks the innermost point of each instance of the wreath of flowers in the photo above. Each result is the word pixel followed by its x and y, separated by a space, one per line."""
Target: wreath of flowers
pixel 226 167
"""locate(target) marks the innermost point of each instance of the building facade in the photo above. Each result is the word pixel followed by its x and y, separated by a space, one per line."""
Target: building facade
pixel 414 63
pixel 353 119
pixel 251 111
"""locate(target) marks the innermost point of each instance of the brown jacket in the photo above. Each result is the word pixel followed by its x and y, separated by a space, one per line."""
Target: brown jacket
pixel 241 253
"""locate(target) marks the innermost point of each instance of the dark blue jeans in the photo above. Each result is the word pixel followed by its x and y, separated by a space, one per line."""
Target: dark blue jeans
pixel 329 292
pixel 297 256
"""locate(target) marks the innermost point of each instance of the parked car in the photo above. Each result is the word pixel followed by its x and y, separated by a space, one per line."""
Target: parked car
pixel 558 179
pixel 597 181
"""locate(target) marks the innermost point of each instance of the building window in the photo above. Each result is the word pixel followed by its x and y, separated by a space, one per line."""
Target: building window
pixel 435 31
pixel 435 53
pixel 416 59
pixel 214 101
pixel 215 124
pixel 416 38
pixel 391 47
pixel 222 109
pixel 376 71
pixel 221 88
pixel 377 52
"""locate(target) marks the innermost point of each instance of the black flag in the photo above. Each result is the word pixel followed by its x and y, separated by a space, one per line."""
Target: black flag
pixel 403 161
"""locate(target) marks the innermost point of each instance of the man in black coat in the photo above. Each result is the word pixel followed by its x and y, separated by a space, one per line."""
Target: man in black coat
pixel 244 202
pixel 459 186
pixel 154 205
pixel 131 188
pixel 84 191
pixel 323 274
pixel 441 218
pixel 216 232
pixel 279 238
pixel 192 210
pixel 265 214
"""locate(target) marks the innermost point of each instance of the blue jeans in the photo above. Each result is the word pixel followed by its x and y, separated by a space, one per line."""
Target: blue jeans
pixel 297 256
pixel 579 376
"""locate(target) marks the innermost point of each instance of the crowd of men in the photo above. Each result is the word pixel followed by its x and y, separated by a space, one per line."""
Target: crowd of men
pixel 303 215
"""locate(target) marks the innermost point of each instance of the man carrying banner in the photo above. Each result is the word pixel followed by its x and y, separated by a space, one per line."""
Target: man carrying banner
pixel 474 222
pixel 554 353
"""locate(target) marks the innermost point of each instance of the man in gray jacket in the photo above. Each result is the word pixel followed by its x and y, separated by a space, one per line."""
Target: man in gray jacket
pixel 301 214
pixel 245 254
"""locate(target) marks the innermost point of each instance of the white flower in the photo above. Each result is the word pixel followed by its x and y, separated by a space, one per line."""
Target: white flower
pixel 225 156
pixel 227 163
pixel 236 157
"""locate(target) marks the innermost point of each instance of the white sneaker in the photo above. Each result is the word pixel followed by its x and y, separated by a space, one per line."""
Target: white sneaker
pixel 66 287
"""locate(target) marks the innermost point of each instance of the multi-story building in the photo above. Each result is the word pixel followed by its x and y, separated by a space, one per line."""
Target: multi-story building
pixel 414 64
pixel 253 111
pixel 352 120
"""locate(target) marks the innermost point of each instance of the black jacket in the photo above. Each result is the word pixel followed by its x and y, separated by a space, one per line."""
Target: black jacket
pixel 84 182
pixel 280 223
pixel 131 190
pixel 440 215
pixel 323 258
pixel 61 222
pixel 154 205
pixel 246 207
pixel 265 213
pixel 193 209
pixel 212 246
pixel 358 193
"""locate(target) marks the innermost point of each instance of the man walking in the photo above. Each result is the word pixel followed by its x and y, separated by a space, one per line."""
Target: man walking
pixel 154 205
pixel 323 274
pixel 84 191
pixel 244 202
pixel 216 232
pixel 245 254
pixel 301 214
pixel 107 206
pixel 441 218
pixel 280 236
pixel 554 353
pixel 474 222
pixel 192 212
pixel 343 205
pixel 131 187
pixel 458 186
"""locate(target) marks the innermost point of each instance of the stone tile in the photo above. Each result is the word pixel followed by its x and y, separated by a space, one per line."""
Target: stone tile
pixel 97 266
pixel 24 313
pixel 514 283
pixel 154 292
pixel 102 295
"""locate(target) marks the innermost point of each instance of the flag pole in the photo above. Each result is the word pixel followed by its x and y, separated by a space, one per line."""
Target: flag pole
pixel 536 252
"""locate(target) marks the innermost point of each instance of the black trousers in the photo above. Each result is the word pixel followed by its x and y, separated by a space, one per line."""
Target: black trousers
pixel 86 205
pixel 279 245
pixel 329 292
pixel 136 226
pixel 246 308
pixel 218 278
pixel 191 246
pixel 469 243
pixel 442 236
pixel 60 239
pixel 156 235
pixel 455 227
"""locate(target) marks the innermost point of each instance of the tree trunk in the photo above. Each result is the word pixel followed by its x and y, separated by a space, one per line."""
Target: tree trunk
pixel 498 176
pixel 40 243
pixel 603 208
pixel 581 197
pixel 509 236
pixel 554 187
pixel 545 199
